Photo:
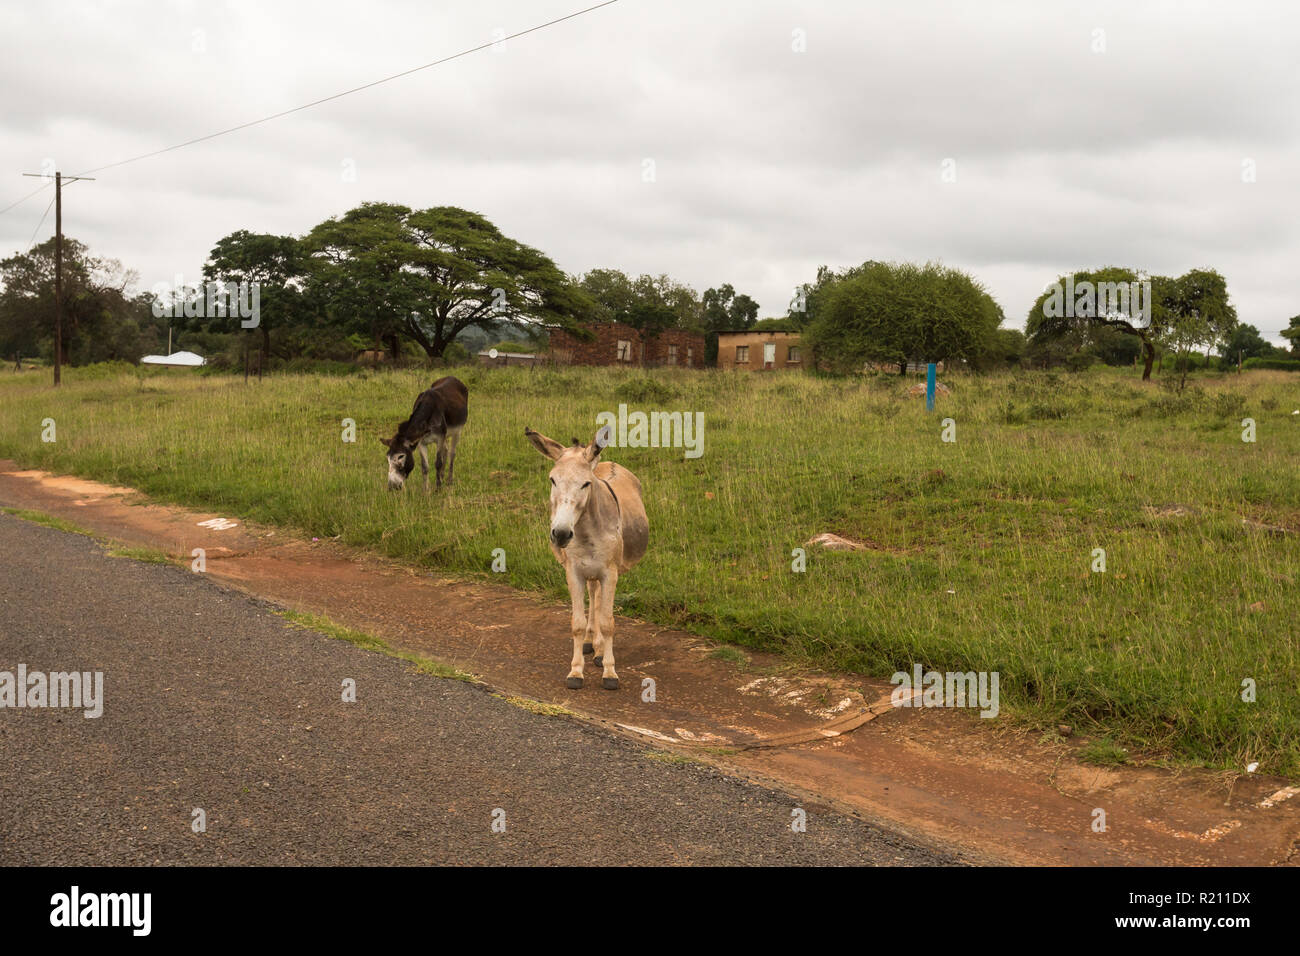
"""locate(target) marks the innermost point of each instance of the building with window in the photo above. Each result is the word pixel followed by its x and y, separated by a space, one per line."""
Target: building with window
pixel 617 344
pixel 759 350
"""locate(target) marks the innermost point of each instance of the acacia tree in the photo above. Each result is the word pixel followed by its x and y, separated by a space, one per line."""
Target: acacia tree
pixel 427 275
pixel 275 263
pixel 355 278
pixel 1192 309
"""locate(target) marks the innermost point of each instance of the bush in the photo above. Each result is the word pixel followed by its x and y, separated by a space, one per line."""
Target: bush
pixel 97 371
pixel 1285 365
pixel 1047 410
pixel 646 390
pixel 455 354
pixel 306 366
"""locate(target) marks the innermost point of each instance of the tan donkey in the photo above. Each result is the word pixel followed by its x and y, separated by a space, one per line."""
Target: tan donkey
pixel 599 529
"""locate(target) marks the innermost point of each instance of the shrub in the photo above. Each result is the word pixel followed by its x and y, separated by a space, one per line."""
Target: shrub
pixel 646 390
pixel 1285 365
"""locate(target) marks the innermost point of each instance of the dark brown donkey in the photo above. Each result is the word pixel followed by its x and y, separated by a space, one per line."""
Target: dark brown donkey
pixel 438 416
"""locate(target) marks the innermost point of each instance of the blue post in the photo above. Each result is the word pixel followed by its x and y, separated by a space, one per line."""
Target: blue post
pixel 929 387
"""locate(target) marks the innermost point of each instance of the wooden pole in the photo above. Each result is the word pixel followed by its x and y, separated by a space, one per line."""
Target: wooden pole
pixel 58 276
pixel 58 266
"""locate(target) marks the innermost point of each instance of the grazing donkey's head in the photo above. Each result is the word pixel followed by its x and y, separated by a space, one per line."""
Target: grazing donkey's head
pixel 401 459
pixel 571 480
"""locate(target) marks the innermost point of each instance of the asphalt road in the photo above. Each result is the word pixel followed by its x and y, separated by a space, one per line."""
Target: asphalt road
pixel 212 702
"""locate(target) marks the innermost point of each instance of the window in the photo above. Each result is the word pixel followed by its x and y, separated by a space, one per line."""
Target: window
pixel 690 358
pixel 793 355
pixel 672 355
pixel 624 350
pixel 742 354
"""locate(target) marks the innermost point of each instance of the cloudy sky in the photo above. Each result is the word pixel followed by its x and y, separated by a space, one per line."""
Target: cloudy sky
pixel 742 142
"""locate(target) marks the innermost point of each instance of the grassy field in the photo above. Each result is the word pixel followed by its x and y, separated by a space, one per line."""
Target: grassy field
pixel 979 551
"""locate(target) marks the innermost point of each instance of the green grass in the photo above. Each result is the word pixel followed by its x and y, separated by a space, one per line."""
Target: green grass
pixel 535 706
pixel 424 665
pixel 49 521
pixel 1104 753
pixel 147 555
pixel 665 756
pixel 978 552
pixel 731 655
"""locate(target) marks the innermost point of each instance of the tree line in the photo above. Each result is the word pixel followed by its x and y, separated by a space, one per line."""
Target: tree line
pixel 437 282
pixel 412 282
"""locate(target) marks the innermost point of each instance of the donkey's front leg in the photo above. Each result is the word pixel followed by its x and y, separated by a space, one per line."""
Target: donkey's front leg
pixel 424 463
pixel 604 615
pixel 593 603
pixel 441 458
pixel 578 625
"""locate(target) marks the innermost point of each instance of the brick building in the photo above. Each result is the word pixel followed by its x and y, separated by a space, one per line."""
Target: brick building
pixel 619 344
pixel 759 349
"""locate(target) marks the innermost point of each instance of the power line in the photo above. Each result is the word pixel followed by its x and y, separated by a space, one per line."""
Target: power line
pixel 356 89
pixel 19 202
pixel 32 241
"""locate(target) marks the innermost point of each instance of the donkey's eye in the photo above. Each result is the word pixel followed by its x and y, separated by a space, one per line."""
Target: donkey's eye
pixel 587 484
pixel 552 481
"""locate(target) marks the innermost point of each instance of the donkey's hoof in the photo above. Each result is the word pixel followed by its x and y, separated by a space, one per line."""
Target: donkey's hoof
pixel 598 660
pixel 574 683
pixel 587 648
pixel 609 683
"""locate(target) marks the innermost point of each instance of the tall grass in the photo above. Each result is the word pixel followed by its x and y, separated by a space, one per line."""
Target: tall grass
pixel 978 551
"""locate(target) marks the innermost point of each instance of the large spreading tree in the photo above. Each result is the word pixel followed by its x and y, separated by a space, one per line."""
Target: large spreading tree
pixel 1182 313
pixel 276 264
pixel 394 273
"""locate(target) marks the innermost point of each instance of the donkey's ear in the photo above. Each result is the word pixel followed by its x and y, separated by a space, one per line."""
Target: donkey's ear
pixel 551 449
pixel 385 442
pixel 603 437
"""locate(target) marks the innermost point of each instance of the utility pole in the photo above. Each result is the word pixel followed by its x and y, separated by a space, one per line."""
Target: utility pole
pixel 59 180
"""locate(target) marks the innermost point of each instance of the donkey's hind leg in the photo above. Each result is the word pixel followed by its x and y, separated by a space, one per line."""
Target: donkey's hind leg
pixel 453 439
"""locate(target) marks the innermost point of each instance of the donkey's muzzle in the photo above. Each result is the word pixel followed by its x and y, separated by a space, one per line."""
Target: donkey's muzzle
pixel 561 537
